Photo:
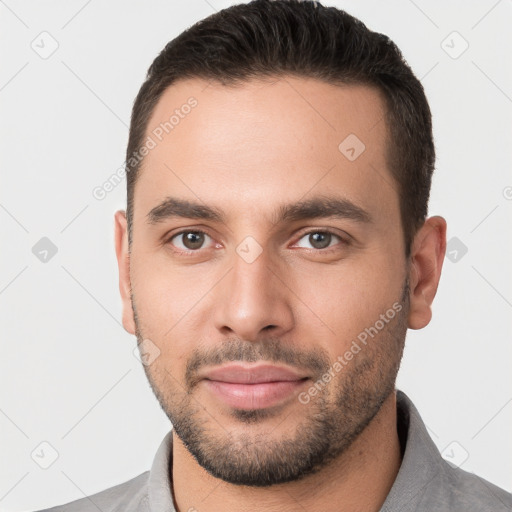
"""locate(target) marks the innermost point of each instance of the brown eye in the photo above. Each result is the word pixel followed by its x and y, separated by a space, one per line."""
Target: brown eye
pixel 189 240
pixel 319 240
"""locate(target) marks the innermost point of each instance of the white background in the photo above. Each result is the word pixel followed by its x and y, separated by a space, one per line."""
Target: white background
pixel 68 373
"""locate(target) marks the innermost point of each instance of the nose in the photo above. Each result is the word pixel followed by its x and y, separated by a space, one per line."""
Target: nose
pixel 253 299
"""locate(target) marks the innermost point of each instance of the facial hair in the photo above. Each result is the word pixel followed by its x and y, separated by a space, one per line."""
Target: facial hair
pixel 329 423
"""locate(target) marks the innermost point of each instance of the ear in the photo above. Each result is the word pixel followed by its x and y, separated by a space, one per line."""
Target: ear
pixel 123 262
pixel 427 256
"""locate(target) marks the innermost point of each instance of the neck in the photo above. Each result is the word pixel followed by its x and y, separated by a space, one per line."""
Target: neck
pixel 360 479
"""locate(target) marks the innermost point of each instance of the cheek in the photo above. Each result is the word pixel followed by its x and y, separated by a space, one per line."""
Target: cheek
pixel 165 292
pixel 170 302
pixel 342 301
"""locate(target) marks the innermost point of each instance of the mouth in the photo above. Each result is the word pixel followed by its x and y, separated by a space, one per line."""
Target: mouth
pixel 252 387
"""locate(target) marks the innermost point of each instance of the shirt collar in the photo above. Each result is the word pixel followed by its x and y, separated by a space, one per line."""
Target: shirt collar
pixel 159 483
pixel 419 464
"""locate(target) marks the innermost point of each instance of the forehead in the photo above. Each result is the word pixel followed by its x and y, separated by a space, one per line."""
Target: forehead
pixel 266 141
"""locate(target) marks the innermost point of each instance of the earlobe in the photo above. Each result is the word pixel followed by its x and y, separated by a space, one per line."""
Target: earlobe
pixel 427 256
pixel 123 262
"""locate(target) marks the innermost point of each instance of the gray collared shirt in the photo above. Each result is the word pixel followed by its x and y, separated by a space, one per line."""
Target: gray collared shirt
pixel 425 481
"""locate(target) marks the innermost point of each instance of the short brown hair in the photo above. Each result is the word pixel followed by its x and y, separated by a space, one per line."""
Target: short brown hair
pixel 266 38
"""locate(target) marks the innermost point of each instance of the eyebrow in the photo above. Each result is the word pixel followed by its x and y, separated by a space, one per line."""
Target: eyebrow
pixel 314 208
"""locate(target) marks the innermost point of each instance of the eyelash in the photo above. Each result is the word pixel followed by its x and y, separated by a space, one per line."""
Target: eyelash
pixel 343 241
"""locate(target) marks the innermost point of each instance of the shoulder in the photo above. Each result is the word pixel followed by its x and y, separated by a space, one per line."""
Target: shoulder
pixel 457 489
pixel 426 481
pixel 129 496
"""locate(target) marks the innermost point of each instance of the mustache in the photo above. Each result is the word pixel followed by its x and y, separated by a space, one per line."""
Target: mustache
pixel 271 349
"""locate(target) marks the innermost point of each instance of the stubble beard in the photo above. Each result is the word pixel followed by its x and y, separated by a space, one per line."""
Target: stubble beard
pixel 333 419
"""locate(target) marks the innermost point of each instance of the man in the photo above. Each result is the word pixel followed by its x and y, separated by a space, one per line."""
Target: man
pixel 274 252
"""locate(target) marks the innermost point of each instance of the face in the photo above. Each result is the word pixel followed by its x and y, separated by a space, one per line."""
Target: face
pixel 267 272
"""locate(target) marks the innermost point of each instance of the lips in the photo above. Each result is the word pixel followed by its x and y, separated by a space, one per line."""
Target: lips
pixel 253 386
pixel 240 374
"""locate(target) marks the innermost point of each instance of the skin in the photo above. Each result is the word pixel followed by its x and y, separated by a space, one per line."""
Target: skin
pixel 246 150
